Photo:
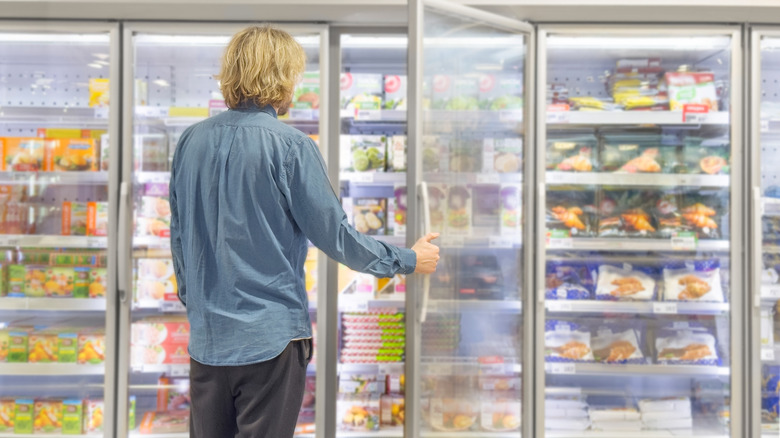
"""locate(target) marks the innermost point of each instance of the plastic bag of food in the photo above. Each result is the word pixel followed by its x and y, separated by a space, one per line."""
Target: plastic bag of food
pixel 568 280
pixel 707 156
pixel 573 212
pixel 693 281
pixel 625 214
pixel 632 153
pixel 588 103
pixel 572 154
pixel 703 215
pixel 667 215
pixel 626 282
pixel 615 343
pixel 566 341
pixel 691 88
pixel 688 343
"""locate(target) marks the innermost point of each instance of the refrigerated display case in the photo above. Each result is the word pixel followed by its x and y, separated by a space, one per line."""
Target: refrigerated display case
pixel 469 125
pixel 171 85
pixel 639 266
pixel 57 195
pixel 765 211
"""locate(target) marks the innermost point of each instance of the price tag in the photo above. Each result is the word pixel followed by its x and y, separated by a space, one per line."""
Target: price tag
pixel 301 114
pixel 488 178
pixel 368 114
pixel 770 292
pixel 180 370
pixel 666 308
pixel 557 117
pixel 767 354
pixel 95 242
pixel 362 177
pixel 560 368
pixel 555 177
pixel 441 369
pixel 151 111
pixel 515 115
pixel 559 239
pixel 491 365
pixel 685 241
pixel 12 241
pixel 695 113
pixel 101 112
pixel 501 242
pixel 764 125
pixel 559 305
pixel 454 241
pixel 172 307
pixel 355 306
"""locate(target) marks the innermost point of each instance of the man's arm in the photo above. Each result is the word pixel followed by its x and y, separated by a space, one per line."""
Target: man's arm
pixel 318 212
pixel 176 248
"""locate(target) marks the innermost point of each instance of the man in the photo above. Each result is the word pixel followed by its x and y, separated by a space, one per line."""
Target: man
pixel 246 193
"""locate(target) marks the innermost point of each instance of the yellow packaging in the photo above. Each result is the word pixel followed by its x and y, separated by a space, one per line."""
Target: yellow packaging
pixel 43 347
pixel 72 154
pixel 48 416
pixel 24 154
pixel 98 92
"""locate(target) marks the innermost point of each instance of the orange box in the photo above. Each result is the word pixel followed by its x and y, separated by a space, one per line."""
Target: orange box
pixel 24 154
pixel 71 154
pixel 74 218
pixel 97 219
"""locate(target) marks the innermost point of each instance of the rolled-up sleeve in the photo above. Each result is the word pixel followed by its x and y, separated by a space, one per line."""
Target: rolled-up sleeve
pixel 319 214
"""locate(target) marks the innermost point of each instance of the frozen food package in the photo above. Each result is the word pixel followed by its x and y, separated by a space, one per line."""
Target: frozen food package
pixel 638 66
pixel 573 154
pixel 668 216
pixel 485 207
pixel 151 152
pixel 369 215
pixel 396 153
pixel 633 153
pixel 453 414
pixel 569 280
pixel 573 212
pixel 307 92
pixel 392 410
pixel 613 343
pixel 455 93
pixel 358 412
pixel 703 214
pixel 770 273
pixel 24 154
pixel 566 341
pixel 502 155
pixel 464 155
pixel 500 413
pixel 510 209
pixel 361 91
pixel 687 88
pixel 501 91
pixel 165 422
pixel 435 153
pixel 626 282
pixel 458 207
pixel 395 92
pixel 683 342
pixel 173 393
pixel 153 217
pixel 668 423
pixel 47 416
pixel 363 153
pixel 7 407
pixel 707 155
pixel 627 214
pixel 156 281
pixel 589 103
pixel 697 280
pixel 359 384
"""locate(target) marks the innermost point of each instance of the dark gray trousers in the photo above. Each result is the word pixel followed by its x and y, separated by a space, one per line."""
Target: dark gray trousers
pixel 261 400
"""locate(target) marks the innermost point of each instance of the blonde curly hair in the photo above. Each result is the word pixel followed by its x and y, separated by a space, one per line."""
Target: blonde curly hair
pixel 261 64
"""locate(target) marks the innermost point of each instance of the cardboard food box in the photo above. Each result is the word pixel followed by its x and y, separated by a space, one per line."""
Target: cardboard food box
pixel 24 410
pixel 459 214
pixel 35 281
pixel 501 92
pixel 98 282
pixel 392 410
pixel 151 152
pixel 395 92
pixel 17 345
pixel 105 152
pixel 68 346
pixel 97 219
pixel 98 92
pixel 73 154
pixel 396 153
pixel 168 354
pixel 5 341
pixel 511 209
pixel 166 422
pixel 156 281
pixel 154 215
pixel 47 416
pixel 24 154
pixel 16 280
pixel 364 153
pixel 74 218
pixel 72 417
pixel 7 407
pixel 307 92
pixel 93 416
pixel 358 412
pixel 60 281
pixel 92 347
pixel 369 215
pixel 81 281
pixel 174 394
pixel 502 155
pixel 361 91
pixel 397 210
pixel 159 331
pixel 43 347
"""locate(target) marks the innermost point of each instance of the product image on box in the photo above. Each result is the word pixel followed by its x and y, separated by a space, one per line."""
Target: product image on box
pixel 369 215
pixel 47 416
pixel 24 154
pixel 566 342
pixel 361 91
pixel 154 214
pixel 499 414
pixel 364 153
pixel 307 92
pixel 165 422
pixel 358 412
pixel 72 154
pixel 93 416
pixel 92 348
pixel 7 407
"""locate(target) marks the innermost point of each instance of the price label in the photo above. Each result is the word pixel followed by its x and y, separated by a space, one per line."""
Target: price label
pixel 362 177
pixel 355 306
pixel 559 306
pixel 697 118
pixel 301 114
pixel 95 242
pixel 557 117
pixel 180 370
pixel 368 114
pixel 101 112
pixel 560 368
pixel 695 113
pixel 172 307
pixel 764 125
pixel 767 354
pixel 151 111
pixel 492 365
pixel 501 242
pixel 488 178
pixel 454 242
pixel 665 308
pixel 12 241
pixel 770 291
pixel 685 241
pixel 441 369
pixel 515 115
pixel 555 177
pixel 557 239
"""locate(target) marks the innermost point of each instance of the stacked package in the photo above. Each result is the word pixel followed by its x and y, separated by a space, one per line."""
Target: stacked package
pixel 370 401
pixel 375 336
pixel 637 85
pixel 566 413
pixel 160 340
pixel 173 408
pixel 666 413
pixel 69 416
pixel 441 334
pixel 614 415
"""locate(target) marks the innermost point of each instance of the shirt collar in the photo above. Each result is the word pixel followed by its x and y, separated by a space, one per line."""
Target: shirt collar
pixel 250 105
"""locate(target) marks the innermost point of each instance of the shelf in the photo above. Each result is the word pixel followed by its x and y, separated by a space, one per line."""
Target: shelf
pixel 54 304
pixel 374 178
pixel 49 178
pixel 639 244
pixel 368 434
pixel 681 433
pixel 56 116
pixel 171 370
pixel 634 118
pixel 445 366
pixel 599 369
pixel 148 115
pixel 470 434
pixel 50 369
pixel 152 177
pixel 49 435
pixel 770 206
pixel 635 179
pixel 375 116
pixel 161 306
pixel 480 240
pixel 435 306
pixel 53 241
pixel 639 307
pixel 371 368
pixel 144 435
pixel 152 242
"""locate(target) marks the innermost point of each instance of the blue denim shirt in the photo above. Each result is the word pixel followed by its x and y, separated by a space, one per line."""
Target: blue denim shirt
pixel 246 192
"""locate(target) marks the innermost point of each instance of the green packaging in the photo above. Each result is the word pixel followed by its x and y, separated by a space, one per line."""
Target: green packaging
pixel 72 417
pixel 131 413
pixel 34 281
pixel 17 346
pixel 67 346
pixel 16 274
pixel 5 340
pixel 81 282
pixel 23 416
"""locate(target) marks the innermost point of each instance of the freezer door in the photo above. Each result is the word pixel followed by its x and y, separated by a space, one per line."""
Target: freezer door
pixel 468 128
pixel 57 198
pixel 640 273
pixel 170 85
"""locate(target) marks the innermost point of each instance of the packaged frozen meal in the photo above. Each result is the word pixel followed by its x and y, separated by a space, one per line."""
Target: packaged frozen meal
pixel 625 282
pixel 456 93
pixel 668 216
pixel 393 410
pixel 24 154
pixel 458 207
pixel 47 416
pixel 358 412
pixel 617 343
pixel 501 92
pixel 7 406
pixel 571 211
pixel 307 92
pixel 500 413
pixel 364 153
pixel 682 342
pixel 156 280
pixel 702 215
pixel 369 215
pixel 399 207
pixel 510 209
pixel 465 154
pixel 396 153
pixel 437 206
pixel 707 155
pixel 452 414
pixel 566 341
pixel 697 280
pixel 568 280
pixel 625 214
pixel 154 215
pixel 361 91
pixel 74 218
pixel 502 155
pixel 73 154
pixel 572 154
pixel 166 422
pixel 691 88
pixel 395 92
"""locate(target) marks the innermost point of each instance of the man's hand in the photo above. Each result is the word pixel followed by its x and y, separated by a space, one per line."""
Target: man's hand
pixel 427 254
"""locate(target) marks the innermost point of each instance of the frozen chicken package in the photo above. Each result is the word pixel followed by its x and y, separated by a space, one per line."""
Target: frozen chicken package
pixel 573 154
pixel 625 214
pixel 573 212
pixel 618 343
pixel 569 280
pixel 566 341
pixel 697 280
pixel 626 282
pixel 703 214
pixel 682 342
